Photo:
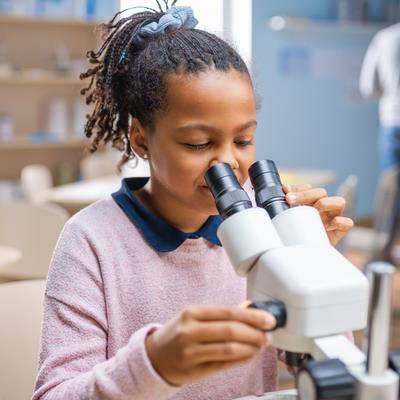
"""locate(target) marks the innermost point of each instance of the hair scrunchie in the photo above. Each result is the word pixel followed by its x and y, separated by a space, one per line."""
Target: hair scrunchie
pixel 175 17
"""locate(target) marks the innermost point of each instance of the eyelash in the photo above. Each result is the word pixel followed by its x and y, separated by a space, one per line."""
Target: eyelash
pixel 203 146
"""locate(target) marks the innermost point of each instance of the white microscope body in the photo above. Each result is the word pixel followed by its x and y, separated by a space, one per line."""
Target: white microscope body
pixel 289 259
pixel 323 293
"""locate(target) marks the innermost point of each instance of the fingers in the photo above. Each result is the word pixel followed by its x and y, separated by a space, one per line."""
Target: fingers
pixel 245 304
pixel 341 224
pixel 296 188
pixel 306 197
pixel 213 367
pixel 286 188
pixel 337 228
pixel 334 205
pixel 257 318
pixel 205 339
pixel 207 332
pixel 331 209
pixel 220 352
pixel 301 187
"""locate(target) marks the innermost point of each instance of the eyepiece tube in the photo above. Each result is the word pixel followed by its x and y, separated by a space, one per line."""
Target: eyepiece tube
pixel 229 196
pixel 268 187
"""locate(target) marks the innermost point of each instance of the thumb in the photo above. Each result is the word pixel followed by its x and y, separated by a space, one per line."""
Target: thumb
pixel 245 304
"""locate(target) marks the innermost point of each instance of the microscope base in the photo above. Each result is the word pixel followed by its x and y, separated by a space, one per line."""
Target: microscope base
pixel 383 386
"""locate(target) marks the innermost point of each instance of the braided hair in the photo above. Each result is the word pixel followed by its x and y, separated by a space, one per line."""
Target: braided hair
pixel 127 79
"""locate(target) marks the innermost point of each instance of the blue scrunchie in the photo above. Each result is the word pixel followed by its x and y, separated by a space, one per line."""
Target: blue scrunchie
pixel 176 17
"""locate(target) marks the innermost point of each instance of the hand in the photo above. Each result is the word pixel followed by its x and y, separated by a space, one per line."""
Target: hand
pixel 330 208
pixel 203 340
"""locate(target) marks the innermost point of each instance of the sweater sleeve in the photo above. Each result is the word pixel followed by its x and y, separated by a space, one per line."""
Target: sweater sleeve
pixel 73 361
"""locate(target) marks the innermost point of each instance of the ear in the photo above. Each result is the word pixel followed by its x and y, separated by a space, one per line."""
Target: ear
pixel 138 139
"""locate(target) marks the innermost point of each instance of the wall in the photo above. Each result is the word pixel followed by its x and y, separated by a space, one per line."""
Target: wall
pixel 311 113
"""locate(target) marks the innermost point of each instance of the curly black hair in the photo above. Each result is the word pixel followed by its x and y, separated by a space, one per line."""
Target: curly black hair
pixel 127 77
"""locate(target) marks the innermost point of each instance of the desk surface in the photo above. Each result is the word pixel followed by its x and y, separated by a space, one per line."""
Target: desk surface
pixel 281 395
pixel 75 196
pixel 9 256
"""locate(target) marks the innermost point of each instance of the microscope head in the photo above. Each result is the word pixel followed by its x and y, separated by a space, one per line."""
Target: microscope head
pixel 286 255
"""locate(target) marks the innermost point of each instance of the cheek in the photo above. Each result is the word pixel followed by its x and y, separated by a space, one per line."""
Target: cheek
pixel 245 163
pixel 177 169
pixel 162 167
pixel 251 158
pixel 190 168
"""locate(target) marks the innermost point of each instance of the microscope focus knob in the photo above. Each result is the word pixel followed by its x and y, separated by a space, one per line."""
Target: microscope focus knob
pixel 276 308
pixel 327 379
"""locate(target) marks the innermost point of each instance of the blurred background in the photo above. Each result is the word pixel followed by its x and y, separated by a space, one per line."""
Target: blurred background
pixel 305 57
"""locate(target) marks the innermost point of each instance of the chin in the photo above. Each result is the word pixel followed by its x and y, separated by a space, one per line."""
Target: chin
pixel 208 208
pixel 206 203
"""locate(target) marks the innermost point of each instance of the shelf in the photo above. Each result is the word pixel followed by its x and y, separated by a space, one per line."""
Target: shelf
pixel 283 23
pixel 32 47
pixel 26 144
pixel 47 22
pixel 42 79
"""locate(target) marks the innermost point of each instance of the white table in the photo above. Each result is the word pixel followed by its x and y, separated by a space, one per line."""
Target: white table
pixel 9 256
pixel 75 196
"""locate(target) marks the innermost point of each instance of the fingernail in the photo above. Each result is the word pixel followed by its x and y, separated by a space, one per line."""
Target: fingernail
pixel 291 198
pixel 268 338
pixel 269 321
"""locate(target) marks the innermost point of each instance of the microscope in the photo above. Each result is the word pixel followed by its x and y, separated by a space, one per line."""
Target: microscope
pixel 316 295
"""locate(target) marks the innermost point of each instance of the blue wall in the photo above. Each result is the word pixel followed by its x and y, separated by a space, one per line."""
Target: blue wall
pixel 312 121
pixel 325 9
pixel 309 120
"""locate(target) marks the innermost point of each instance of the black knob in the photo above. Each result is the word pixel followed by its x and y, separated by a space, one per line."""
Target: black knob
pixel 276 308
pixel 296 360
pixel 327 379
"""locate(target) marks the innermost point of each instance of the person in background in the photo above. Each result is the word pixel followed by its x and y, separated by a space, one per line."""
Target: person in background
pixel 380 77
pixel 141 300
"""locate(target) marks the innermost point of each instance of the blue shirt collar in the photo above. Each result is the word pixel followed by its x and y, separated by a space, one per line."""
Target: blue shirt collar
pixel 157 232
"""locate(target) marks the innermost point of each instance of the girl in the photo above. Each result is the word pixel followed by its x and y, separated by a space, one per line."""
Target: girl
pixel 141 300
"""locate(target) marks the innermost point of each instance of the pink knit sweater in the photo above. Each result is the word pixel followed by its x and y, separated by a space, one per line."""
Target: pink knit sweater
pixel 107 289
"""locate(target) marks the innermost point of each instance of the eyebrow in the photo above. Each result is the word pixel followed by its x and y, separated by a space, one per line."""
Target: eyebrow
pixel 211 129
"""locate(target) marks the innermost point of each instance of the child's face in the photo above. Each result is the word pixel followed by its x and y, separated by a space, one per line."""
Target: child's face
pixel 210 118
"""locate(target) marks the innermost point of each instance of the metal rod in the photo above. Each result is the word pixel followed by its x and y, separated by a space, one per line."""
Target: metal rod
pixel 380 275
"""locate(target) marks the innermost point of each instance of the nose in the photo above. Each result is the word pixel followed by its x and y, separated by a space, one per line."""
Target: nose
pixel 226 156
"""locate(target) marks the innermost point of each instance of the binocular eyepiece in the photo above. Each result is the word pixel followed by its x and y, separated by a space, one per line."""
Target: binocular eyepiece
pixel 230 197
pixel 267 185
